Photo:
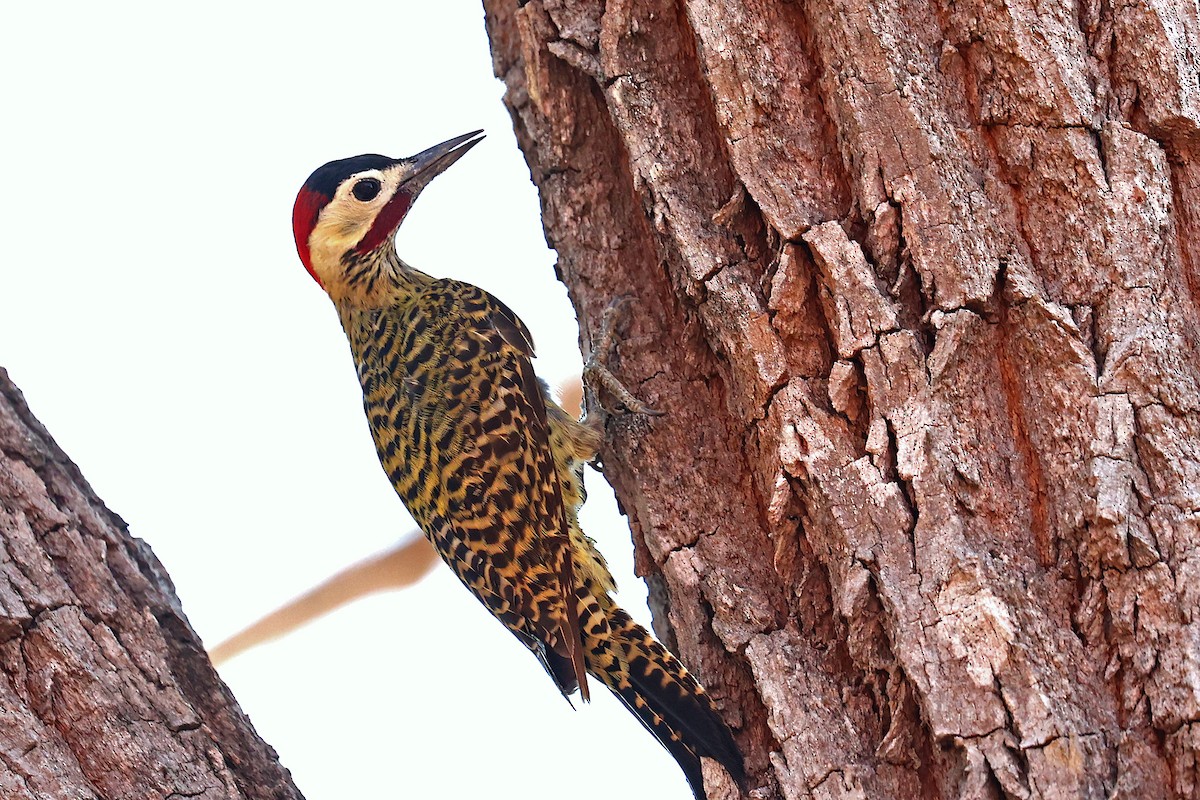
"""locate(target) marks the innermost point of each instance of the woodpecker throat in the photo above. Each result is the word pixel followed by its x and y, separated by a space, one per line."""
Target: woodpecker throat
pixel 486 462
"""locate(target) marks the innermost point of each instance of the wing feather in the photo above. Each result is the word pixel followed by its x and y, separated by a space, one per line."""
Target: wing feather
pixel 505 531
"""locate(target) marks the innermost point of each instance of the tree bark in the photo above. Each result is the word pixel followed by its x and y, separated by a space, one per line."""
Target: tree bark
pixel 107 691
pixel 917 282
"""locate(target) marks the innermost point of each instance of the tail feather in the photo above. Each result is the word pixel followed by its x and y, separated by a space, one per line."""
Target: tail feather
pixel 660 692
pixel 683 754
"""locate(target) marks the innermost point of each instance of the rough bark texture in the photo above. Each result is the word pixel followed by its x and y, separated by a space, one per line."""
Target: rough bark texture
pixel 917 281
pixel 105 691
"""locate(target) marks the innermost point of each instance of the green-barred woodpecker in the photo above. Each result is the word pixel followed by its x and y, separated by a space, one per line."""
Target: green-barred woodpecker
pixel 485 460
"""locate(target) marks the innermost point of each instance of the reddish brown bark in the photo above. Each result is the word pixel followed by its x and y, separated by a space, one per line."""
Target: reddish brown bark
pixel 105 691
pixel 918 283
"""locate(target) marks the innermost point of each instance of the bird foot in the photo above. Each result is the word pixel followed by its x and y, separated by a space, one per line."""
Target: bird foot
pixel 596 374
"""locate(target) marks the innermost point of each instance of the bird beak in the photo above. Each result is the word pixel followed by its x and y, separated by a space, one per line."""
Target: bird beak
pixel 427 165
pixel 413 175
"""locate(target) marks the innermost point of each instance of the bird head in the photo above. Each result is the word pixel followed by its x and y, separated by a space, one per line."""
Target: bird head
pixel 348 210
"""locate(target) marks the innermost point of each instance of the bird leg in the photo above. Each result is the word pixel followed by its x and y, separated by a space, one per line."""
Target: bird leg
pixel 596 374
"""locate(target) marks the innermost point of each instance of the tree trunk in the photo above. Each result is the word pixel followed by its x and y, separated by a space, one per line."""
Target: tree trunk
pixel 107 692
pixel 917 283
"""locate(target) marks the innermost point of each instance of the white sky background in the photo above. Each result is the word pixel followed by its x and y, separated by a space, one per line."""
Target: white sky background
pixel 154 312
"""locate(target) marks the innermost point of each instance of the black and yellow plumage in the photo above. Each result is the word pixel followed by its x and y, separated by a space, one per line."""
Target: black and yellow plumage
pixel 481 455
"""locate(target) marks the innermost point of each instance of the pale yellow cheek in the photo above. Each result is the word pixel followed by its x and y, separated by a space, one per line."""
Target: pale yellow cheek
pixel 343 224
pixel 327 247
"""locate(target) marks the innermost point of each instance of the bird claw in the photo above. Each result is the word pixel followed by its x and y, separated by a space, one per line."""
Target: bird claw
pixel 597 374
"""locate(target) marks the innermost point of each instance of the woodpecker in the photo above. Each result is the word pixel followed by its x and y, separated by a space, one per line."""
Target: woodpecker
pixel 482 456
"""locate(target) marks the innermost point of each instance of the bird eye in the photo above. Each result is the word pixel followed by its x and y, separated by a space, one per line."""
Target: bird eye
pixel 366 189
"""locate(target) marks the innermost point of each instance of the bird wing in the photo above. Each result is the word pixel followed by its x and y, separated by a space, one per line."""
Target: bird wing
pixel 502 521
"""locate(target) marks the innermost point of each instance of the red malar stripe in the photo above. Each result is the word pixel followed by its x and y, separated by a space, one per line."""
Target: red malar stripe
pixel 386 223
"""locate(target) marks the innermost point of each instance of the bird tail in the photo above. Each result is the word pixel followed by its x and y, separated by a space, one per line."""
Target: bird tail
pixel 659 691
